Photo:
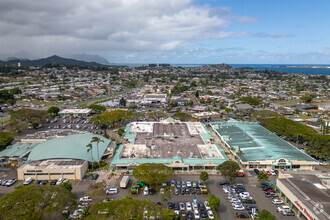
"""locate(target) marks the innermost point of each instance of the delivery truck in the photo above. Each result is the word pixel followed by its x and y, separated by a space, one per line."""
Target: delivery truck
pixel 124 182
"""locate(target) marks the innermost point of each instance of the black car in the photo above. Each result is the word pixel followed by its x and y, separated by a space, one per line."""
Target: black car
pixel 240 190
pixel 239 185
pixel 95 176
pixel 276 171
pixel 242 215
pixel 193 191
pixel 198 191
pixel 53 182
pixel 152 191
pixel 170 205
pixel 183 213
pixel 256 171
pixel 183 191
pixel 249 201
pixel 250 207
pixel 44 182
pixel 190 215
pixel 176 206
pixel 204 214
pixel 225 182
pixel 188 191
pixel 201 206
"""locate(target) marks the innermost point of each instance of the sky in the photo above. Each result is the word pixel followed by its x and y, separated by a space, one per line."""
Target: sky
pixel 169 31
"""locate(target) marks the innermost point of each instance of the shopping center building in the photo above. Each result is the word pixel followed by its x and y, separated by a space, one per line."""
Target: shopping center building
pixel 180 145
pixel 256 147
pixel 307 193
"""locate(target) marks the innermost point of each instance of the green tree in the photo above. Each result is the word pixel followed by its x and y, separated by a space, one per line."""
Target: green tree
pixel 29 115
pixel 153 173
pixel 306 99
pixel 266 215
pixel 112 119
pixel 156 115
pixel 5 95
pixel 35 125
pixel 36 202
pixel 97 108
pixel 193 84
pixel 229 169
pixel 97 140
pixel 262 176
pixel 90 148
pixel 5 139
pixel 67 186
pixel 121 131
pixel 15 91
pixel 167 196
pixel 122 102
pixel 214 201
pixel 197 94
pixel 53 110
pixel 250 100
pixel 204 176
pixel 182 116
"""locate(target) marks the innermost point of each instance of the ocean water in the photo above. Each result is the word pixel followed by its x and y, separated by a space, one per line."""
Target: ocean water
pixel 284 68
pixel 288 68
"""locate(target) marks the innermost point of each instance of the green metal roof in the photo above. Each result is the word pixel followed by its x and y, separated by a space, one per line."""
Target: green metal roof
pixel 257 143
pixel 117 161
pixel 18 149
pixel 69 147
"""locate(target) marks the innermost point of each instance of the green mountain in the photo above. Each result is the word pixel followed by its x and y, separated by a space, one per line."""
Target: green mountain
pixel 53 60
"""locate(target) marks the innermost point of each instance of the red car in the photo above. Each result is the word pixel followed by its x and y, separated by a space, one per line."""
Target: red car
pixel 269 191
pixel 268 173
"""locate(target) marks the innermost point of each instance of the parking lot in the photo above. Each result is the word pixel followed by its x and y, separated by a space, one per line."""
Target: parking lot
pixel 225 211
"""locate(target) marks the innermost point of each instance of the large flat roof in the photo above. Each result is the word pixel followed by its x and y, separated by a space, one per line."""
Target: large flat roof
pixel 309 190
pixel 256 142
pixel 53 164
pixel 76 111
pixel 163 142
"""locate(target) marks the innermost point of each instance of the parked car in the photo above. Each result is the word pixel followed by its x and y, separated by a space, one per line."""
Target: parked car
pixel 170 205
pixel 210 214
pixel 53 182
pixel 207 205
pixel 85 199
pixel 272 172
pixel 196 214
pixel 44 182
pixel 182 206
pixel 256 171
pixel 188 183
pixel 250 207
pixel 95 176
pixel 188 206
pixel 225 182
pixel 288 213
pixel 277 201
pixel 10 182
pixel 242 215
pixel 282 208
pixel 37 182
pixel 172 183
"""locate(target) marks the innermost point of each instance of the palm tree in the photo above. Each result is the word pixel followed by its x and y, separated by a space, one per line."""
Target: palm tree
pixel 90 148
pixel 97 140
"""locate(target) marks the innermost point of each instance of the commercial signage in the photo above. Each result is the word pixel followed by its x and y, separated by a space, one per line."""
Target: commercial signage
pixel 254 162
pixel 302 209
pixel 281 164
pixel 34 171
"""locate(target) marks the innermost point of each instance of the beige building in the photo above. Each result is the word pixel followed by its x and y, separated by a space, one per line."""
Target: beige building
pixel 307 193
pixel 53 169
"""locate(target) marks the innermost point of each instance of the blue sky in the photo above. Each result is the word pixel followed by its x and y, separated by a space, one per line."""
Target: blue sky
pixel 169 31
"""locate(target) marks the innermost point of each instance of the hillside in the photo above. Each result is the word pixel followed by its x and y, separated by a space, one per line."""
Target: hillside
pixel 53 60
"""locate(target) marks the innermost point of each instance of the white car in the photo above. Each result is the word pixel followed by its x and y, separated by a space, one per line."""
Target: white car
pixel 282 208
pixel 196 213
pixel 188 206
pixel 210 214
pixel 272 172
pixel 277 201
pixel 195 207
pixel 207 205
pixel 85 199
pixel 59 181
pixel 146 191
pixel 10 182
pixel 238 207
pixel 244 194
pixel 233 200
pixel 188 183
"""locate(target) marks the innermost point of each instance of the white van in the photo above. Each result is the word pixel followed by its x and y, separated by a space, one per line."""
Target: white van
pixel 112 190
pixel 28 181
pixel 146 191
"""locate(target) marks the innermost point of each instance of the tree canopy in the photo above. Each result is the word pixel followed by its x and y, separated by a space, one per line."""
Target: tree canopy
pixel 53 110
pixel 262 176
pixel 113 118
pixel 156 115
pixel 5 139
pixel 36 202
pixel 229 169
pixel 5 96
pixel 97 108
pixel 250 100
pixel 182 116
pixel 129 208
pixel 204 176
pixel 29 115
pixel 266 215
pixel 153 173
pixel 214 201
